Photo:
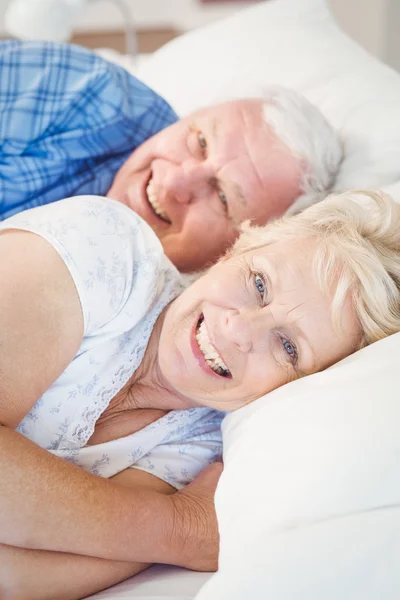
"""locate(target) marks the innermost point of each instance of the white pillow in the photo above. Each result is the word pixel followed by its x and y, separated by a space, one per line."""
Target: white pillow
pixel 294 43
pixel 309 501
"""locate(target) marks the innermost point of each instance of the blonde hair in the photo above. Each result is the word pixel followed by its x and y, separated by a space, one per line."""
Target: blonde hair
pixel 358 234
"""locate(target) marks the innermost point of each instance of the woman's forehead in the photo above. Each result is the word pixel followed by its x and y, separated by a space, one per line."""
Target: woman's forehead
pixel 292 256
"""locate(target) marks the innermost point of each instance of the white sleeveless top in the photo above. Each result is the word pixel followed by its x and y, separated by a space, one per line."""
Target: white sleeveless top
pixel 124 281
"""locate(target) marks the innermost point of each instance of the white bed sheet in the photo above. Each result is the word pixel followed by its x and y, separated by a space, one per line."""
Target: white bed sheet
pixel 159 582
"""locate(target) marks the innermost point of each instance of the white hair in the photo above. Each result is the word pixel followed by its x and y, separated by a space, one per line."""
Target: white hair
pixel 358 252
pixel 305 131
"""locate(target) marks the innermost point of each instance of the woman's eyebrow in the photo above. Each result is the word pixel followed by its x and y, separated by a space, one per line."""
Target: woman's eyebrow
pixel 270 273
pixel 308 354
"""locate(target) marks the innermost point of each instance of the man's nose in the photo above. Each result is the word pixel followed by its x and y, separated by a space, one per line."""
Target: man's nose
pixel 189 181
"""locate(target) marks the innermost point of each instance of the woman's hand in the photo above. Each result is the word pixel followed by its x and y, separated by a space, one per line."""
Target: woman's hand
pixel 195 522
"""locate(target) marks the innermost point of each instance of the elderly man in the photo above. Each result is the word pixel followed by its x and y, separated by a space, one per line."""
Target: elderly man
pixel 72 123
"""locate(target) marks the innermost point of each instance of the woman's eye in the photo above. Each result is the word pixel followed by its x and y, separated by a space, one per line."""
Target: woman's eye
pixel 260 285
pixel 290 350
pixel 202 141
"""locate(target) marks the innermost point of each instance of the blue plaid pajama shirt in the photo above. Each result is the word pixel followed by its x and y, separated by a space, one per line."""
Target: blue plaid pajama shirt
pixel 68 121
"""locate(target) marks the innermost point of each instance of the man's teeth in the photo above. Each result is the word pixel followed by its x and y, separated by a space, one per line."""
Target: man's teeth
pixel 211 356
pixel 152 198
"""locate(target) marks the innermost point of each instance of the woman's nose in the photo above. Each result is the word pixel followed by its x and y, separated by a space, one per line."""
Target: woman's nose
pixel 188 181
pixel 238 329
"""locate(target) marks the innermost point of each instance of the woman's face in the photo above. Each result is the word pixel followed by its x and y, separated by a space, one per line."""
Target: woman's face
pixel 253 323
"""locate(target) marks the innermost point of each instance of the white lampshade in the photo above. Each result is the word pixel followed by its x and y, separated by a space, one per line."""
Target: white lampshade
pixel 42 19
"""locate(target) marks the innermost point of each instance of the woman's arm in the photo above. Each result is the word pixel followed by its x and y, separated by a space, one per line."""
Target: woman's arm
pixel 49 504
pixel 193 542
pixel 43 575
pixel 41 322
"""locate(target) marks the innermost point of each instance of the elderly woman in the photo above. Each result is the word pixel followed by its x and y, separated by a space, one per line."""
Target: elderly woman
pixel 106 364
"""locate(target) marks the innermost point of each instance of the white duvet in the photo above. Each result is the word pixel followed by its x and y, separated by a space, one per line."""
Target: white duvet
pixel 315 514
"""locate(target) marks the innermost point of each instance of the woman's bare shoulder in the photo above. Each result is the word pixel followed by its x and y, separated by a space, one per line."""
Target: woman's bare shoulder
pixel 41 324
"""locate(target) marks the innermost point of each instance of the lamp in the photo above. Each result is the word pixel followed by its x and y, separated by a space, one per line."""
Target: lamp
pixel 54 20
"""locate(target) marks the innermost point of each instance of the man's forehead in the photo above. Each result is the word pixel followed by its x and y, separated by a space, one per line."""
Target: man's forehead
pixel 223 112
pixel 256 171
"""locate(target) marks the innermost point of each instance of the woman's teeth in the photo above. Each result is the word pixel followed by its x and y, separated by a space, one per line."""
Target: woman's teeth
pixel 210 354
pixel 152 198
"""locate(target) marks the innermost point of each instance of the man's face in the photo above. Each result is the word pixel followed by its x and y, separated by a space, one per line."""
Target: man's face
pixel 197 180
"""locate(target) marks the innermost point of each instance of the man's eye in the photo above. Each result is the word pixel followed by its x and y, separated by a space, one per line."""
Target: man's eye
pixel 223 199
pixel 202 141
pixel 260 285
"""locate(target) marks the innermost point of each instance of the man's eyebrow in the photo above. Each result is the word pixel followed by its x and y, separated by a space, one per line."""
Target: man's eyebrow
pixel 237 190
pixel 239 194
pixel 214 128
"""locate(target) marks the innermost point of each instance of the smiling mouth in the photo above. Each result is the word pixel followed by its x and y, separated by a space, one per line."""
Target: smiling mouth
pixel 154 204
pixel 211 356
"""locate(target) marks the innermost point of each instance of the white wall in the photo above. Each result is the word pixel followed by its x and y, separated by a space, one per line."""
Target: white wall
pixel 364 21
pixel 183 14
pixel 375 24
pixel 392 53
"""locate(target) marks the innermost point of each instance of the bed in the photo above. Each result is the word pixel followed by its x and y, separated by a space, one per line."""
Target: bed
pixel 334 532
pixel 157 583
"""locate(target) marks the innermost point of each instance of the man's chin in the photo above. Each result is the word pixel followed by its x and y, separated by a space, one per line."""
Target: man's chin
pixel 113 194
pixel 123 197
